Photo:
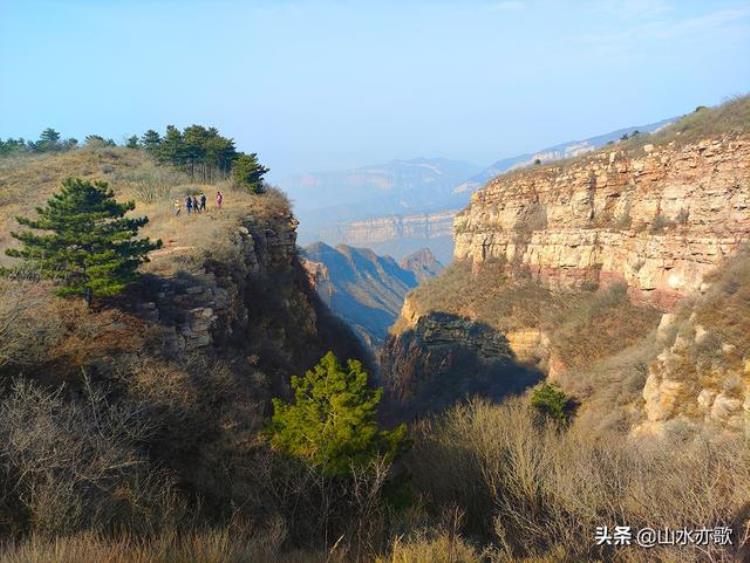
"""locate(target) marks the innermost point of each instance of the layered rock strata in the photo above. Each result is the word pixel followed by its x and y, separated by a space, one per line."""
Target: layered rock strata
pixel 655 218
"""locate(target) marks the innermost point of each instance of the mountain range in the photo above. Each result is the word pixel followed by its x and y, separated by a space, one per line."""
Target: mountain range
pixel 364 289
pixel 403 205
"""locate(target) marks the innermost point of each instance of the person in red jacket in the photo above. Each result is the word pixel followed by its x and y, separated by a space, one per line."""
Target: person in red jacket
pixel 219 200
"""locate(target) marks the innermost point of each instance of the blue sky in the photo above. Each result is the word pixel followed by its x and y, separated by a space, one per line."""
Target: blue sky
pixel 324 85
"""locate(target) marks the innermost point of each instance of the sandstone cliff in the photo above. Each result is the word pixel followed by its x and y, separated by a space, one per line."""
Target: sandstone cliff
pixel 574 262
pixel 656 218
pixel 397 235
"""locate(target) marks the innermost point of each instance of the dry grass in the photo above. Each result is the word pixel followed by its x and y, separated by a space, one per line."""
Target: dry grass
pixel 731 118
pixel 432 547
pixel 487 296
pixel 29 181
pixel 598 325
pixel 584 326
pixel 206 546
pixel 534 491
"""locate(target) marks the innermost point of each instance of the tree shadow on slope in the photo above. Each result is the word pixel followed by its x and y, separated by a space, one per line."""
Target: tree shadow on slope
pixel 445 359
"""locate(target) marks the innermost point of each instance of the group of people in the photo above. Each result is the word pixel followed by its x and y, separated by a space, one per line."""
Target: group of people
pixel 196 203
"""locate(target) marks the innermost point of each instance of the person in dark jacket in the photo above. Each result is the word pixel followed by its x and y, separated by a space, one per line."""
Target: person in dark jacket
pixel 203 202
pixel 189 204
pixel 196 207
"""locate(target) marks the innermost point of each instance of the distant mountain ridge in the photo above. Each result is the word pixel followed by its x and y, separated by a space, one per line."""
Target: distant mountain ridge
pixel 557 152
pixel 364 289
pixel 402 205
pixel 326 202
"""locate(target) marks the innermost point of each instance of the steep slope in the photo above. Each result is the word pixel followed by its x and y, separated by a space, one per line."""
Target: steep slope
pixel 198 347
pixel 657 219
pixel 363 288
pixel 574 262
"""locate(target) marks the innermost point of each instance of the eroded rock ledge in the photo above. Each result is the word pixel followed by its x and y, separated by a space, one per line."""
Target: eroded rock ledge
pixel 658 219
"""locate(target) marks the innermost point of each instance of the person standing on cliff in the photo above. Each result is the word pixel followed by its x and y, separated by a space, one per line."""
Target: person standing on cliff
pixel 219 200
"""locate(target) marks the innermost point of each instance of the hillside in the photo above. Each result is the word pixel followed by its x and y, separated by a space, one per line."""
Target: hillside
pixel 178 372
pixel 574 262
pixel 364 289
pixel 141 429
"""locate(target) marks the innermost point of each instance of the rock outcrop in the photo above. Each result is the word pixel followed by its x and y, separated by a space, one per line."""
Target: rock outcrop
pixel 444 358
pixel 653 224
pixel 657 219
pixel 254 301
pixel 702 373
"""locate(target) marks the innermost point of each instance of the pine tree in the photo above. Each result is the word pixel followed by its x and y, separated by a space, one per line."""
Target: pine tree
pixel 332 421
pixel 99 141
pixel 49 135
pixel 88 245
pixel 151 141
pixel 248 172
pixel 49 140
pixel 172 147
pixel 132 142
pixel 195 138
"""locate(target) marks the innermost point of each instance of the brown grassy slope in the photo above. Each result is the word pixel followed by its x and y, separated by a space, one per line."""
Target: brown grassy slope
pixel 28 181
pixel 731 118
pixel 540 492
pixel 583 325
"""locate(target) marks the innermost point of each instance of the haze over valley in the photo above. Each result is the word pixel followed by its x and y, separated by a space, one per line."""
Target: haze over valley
pixel 317 281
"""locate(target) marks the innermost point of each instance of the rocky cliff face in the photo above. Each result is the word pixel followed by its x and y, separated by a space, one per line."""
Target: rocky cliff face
pixel 657 219
pixel 382 229
pixel 398 235
pixel 443 358
pixel 702 371
pixel 568 261
pixel 254 300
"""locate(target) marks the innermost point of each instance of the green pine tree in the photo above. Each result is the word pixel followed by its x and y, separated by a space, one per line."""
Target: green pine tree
pixel 172 147
pixel 331 422
pixel 49 140
pixel 132 142
pixel 552 402
pixel 151 141
pixel 248 173
pixel 88 244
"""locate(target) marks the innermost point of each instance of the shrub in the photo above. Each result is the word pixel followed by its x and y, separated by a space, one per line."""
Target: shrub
pixel 75 464
pixel 552 402
pixel 533 491
pixel 660 224
pixel 331 422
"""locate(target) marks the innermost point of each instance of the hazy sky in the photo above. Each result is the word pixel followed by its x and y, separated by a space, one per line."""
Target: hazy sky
pixel 324 85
